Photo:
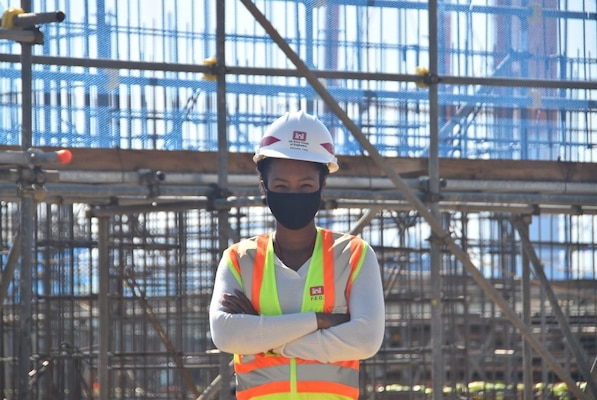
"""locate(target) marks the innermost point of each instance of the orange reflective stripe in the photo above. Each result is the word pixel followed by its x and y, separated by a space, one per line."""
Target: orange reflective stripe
pixel 328 270
pixel 279 387
pixel 264 390
pixel 356 260
pixel 353 364
pixel 233 253
pixel 258 269
pixel 268 360
pixel 234 265
pixel 327 387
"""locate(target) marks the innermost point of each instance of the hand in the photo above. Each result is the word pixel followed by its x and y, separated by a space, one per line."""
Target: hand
pixel 238 303
pixel 325 321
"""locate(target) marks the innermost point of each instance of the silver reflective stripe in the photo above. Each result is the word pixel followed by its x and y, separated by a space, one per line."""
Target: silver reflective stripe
pixel 262 376
pixel 328 373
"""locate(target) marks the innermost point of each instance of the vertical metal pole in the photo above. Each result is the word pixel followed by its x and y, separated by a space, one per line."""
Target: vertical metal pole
pixel 437 372
pixel 569 338
pixel 524 73
pixel 221 94
pixel 104 50
pixel 103 306
pixel 222 163
pixel 527 350
pixel 26 225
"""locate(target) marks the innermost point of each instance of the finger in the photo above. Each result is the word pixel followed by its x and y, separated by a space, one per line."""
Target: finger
pixel 232 303
pixel 241 295
pixel 247 305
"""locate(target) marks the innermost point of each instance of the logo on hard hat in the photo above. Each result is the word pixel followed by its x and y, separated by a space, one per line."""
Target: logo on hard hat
pixel 298 135
pixel 299 141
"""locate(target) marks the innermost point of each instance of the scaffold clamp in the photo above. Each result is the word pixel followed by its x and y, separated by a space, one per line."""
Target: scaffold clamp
pixel 427 77
pixel 31 183
pixel 28 174
pixel 152 179
pixel 217 193
pixel 212 63
pixel 425 183
pixel 427 195
pixel 20 26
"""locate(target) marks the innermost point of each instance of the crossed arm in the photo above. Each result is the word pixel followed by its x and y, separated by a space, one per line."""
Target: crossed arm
pixel 239 303
pixel 236 327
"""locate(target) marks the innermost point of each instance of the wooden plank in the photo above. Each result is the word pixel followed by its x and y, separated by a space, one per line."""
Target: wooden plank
pixel 523 170
pixel 87 159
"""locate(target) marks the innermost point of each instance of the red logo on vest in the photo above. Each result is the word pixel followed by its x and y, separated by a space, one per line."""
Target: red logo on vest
pixel 316 290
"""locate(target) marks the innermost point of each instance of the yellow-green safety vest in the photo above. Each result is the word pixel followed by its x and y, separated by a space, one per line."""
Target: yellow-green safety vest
pixel 335 263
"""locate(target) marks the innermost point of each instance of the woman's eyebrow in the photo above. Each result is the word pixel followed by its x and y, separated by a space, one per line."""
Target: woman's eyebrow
pixel 301 179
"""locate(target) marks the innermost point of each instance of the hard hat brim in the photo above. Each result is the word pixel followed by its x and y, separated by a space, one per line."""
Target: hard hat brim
pixel 296 155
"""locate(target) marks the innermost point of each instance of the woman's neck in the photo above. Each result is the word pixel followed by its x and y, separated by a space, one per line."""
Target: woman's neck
pixel 294 247
pixel 297 239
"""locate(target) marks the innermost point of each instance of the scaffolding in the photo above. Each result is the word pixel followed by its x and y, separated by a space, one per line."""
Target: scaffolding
pixel 467 148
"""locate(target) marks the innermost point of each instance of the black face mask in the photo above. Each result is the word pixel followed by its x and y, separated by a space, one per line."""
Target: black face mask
pixel 293 210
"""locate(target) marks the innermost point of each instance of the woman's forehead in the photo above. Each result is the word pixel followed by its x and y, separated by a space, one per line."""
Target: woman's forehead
pixel 292 168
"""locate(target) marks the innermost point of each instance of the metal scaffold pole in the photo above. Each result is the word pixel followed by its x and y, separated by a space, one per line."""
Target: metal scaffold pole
pixel 20 26
pixel 527 350
pixel 26 224
pixel 437 372
pixel 103 300
pixel 223 215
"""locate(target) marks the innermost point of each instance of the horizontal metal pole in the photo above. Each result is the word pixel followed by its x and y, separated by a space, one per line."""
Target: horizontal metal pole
pixel 324 74
pixel 510 186
pixel 343 94
pixel 34 156
pixel 31 19
pixel 514 187
pixel 21 36
pixel 468 8
pixel 186 197
pixel 397 205
pixel 109 64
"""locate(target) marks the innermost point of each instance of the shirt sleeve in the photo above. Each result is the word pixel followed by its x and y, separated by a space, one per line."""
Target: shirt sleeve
pixel 362 336
pixel 251 334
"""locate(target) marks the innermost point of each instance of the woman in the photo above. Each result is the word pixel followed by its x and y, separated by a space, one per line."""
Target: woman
pixel 301 306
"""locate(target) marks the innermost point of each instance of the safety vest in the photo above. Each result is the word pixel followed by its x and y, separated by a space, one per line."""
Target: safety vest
pixel 335 263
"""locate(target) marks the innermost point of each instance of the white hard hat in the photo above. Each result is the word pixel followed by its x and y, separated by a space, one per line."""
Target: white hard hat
pixel 298 136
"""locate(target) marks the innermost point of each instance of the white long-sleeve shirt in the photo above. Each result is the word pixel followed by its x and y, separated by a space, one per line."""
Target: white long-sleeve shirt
pixel 294 333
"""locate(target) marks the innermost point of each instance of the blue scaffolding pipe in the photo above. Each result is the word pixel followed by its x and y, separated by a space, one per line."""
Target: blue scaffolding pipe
pixel 462 8
pixel 342 94
pixel 145 102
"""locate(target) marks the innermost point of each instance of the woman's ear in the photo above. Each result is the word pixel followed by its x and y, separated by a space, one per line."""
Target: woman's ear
pixel 262 187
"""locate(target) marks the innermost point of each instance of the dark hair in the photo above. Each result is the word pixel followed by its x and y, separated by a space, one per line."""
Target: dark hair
pixel 264 165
